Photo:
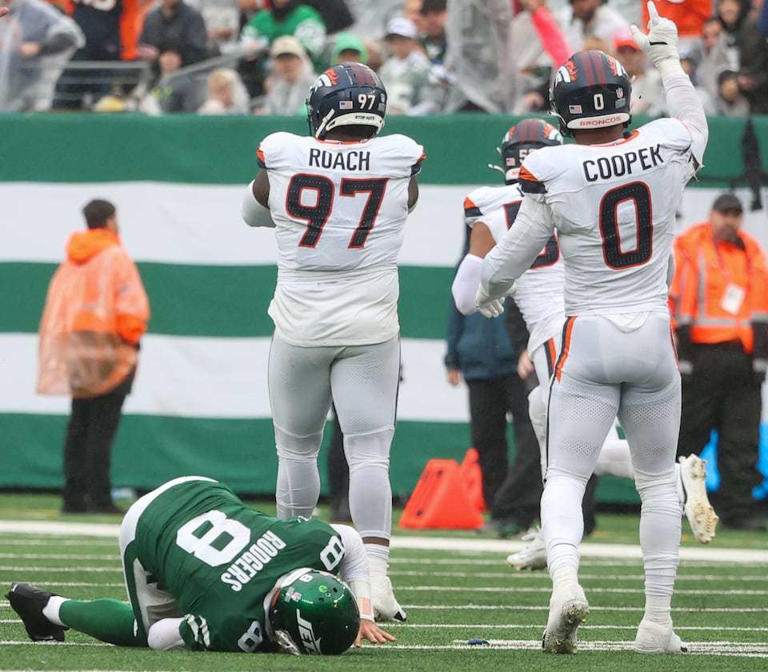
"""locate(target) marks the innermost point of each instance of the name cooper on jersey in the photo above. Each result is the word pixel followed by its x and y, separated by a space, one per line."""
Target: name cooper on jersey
pixel 351 160
pixel 606 168
pixel 252 561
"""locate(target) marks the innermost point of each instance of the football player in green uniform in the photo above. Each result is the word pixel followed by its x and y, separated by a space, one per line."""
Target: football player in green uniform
pixel 206 572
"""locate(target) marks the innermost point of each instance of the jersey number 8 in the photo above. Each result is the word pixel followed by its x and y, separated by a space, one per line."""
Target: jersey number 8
pixel 317 215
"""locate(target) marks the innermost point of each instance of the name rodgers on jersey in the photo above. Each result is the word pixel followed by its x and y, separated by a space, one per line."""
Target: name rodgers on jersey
pixel 253 560
pixel 618 165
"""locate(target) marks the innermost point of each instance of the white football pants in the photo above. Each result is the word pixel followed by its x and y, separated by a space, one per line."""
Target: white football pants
pixel 614 458
pixel 362 381
pixel 604 371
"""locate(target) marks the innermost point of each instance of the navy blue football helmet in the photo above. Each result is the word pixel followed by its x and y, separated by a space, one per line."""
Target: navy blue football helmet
pixel 590 90
pixel 521 140
pixel 348 94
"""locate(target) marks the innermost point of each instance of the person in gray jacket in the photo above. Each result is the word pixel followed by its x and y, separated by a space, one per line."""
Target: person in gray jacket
pixel 36 41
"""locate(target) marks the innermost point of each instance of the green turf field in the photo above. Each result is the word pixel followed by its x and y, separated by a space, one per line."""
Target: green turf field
pixel 451 595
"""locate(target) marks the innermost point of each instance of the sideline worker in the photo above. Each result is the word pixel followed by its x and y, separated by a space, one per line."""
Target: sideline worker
pixel 95 313
pixel 719 299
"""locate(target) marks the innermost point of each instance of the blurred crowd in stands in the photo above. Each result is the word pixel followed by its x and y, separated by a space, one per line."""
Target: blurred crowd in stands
pixel 434 56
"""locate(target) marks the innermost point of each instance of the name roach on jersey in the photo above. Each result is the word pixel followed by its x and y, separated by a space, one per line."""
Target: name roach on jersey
pixel 252 561
pixel 351 160
pixel 618 165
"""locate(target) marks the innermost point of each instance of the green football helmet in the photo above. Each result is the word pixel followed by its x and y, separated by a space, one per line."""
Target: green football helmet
pixel 314 613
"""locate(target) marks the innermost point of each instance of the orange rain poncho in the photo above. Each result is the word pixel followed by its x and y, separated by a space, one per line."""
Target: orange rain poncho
pixel 95 313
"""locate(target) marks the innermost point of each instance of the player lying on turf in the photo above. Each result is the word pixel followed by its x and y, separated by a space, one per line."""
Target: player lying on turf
pixel 206 572
pixel 539 294
pixel 612 200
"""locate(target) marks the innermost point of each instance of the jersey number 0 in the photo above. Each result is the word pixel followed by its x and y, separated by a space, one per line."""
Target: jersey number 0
pixel 317 215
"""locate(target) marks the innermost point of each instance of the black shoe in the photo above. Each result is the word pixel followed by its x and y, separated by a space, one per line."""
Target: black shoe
pixel 73 507
pixel 29 602
pixel 105 508
pixel 747 524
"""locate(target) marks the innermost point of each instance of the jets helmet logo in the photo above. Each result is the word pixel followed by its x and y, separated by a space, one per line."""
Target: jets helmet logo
pixel 307 634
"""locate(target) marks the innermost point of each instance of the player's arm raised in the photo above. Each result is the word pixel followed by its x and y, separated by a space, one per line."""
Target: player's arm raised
pixel 660 43
pixel 516 251
pixel 255 208
pixel 354 570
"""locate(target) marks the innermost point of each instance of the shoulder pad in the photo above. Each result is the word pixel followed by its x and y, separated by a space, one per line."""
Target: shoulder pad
pixel 272 147
pixel 670 132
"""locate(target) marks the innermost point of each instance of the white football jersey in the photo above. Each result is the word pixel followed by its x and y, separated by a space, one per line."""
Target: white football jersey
pixel 539 291
pixel 339 210
pixel 483 200
pixel 614 209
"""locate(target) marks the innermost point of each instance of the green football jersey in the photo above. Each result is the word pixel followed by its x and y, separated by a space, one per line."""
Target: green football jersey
pixel 220 558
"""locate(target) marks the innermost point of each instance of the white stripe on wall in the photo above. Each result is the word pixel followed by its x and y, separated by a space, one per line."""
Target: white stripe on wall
pixel 200 224
pixel 221 378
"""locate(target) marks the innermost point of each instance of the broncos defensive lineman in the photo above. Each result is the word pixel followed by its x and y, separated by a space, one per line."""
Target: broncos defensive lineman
pixel 338 200
pixel 613 202
pixel 539 294
pixel 206 572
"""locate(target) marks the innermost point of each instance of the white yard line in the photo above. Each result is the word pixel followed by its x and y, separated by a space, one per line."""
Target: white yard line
pixel 507 575
pixel 543 576
pixel 530 607
pixel 538 626
pixel 454 544
pixel 548 589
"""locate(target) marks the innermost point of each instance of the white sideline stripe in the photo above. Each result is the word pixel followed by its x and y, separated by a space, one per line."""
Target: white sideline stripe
pixel 626 551
pixel 548 589
pixel 530 607
pixel 178 378
pixel 512 626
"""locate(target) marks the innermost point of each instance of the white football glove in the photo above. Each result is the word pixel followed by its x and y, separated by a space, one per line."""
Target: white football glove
pixel 487 306
pixel 661 41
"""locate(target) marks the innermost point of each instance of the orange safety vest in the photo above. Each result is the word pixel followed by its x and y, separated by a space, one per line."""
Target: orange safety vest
pixel 719 288
pixel 95 313
pixel 688 15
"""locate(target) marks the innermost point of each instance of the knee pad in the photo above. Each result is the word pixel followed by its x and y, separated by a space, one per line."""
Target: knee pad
pixel 368 450
pixel 292 447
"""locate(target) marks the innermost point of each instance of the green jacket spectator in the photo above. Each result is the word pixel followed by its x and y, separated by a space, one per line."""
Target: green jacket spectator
pixel 288 17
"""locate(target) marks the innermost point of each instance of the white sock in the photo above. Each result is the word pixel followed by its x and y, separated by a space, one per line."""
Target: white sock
pixel 660 540
pixel 378 559
pixel 562 522
pixel 51 610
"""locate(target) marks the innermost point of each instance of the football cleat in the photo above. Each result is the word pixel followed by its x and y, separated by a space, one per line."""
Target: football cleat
pixel 657 638
pixel 385 605
pixel 533 555
pixel 28 602
pixel 692 474
pixel 568 608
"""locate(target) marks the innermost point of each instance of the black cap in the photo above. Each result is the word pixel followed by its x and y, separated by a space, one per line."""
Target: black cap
pixel 727 203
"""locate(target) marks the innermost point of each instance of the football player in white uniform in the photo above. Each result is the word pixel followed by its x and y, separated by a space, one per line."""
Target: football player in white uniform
pixel 338 200
pixel 539 294
pixel 612 200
